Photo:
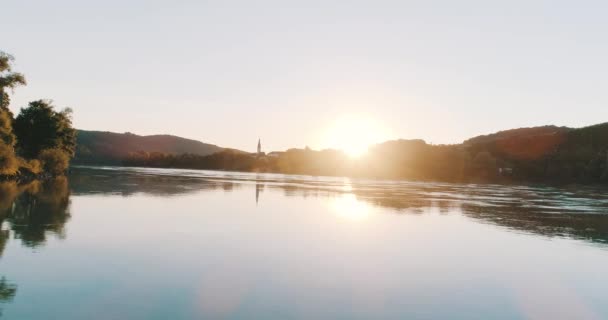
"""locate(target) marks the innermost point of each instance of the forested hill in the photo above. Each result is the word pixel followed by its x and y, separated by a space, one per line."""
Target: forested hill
pixel 521 133
pixel 543 154
pixel 100 147
pixel 548 153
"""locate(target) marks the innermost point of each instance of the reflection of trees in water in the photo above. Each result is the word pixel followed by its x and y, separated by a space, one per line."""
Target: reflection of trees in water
pixel 30 212
pixel 8 193
pixel 42 208
pixel 579 214
pixel 409 201
pixel 7 292
pixel 574 212
pixel 4 234
pixel 585 226
pixel 127 183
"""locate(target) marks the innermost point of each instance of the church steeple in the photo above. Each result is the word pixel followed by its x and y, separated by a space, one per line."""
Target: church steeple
pixel 259 147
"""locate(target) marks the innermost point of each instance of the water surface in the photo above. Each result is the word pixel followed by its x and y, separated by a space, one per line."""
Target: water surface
pixel 126 243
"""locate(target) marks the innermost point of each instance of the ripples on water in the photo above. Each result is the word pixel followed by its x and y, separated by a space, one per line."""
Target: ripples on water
pixel 416 249
pixel 579 212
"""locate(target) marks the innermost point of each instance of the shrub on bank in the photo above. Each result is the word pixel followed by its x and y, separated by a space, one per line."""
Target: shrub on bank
pixel 8 161
pixel 54 161
pixel 31 167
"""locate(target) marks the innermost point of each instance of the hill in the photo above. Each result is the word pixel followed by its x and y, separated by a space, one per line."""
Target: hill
pixel 101 147
pixel 548 153
pixel 521 144
pixel 520 133
pixel 540 154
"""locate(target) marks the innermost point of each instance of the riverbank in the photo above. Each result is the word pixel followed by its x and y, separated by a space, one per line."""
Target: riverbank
pixel 27 177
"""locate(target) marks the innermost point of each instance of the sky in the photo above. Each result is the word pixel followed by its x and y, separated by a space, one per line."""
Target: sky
pixel 289 72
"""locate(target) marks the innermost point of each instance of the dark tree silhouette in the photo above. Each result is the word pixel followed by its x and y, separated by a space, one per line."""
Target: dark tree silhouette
pixel 39 127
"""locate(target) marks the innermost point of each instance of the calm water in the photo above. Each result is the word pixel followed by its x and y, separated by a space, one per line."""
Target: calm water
pixel 111 243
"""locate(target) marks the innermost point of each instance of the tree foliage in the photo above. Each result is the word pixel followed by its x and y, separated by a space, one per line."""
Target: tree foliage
pixel 8 79
pixel 39 127
pixel 7 137
pixel 8 162
pixel 54 161
pixel 547 154
pixel 38 131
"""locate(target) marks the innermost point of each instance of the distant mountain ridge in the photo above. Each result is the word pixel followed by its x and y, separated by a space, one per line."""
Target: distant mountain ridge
pixel 103 147
pixel 518 133
pixel 541 154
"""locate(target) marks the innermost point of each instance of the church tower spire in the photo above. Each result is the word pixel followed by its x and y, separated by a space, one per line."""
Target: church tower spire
pixel 259 147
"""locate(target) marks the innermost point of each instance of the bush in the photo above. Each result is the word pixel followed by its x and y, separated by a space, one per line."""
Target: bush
pixel 54 161
pixel 33 166
pixel 8 162
pixel 6 129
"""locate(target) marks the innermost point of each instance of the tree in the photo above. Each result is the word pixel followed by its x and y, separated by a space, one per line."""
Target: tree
pixel 7 137
pixel 8 80
pixel 54 161
pixel 8 162
pixel 39 127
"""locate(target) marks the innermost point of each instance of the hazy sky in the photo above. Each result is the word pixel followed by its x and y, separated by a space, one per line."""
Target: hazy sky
pixel 228 72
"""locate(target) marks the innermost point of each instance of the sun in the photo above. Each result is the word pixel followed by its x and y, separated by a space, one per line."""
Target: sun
pixel 354 134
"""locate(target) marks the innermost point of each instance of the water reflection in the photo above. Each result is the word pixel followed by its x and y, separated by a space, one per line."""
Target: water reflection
pixel 259 188
pixel 7 194
pixel 4 234
pixel 578 213
pixel 35 210
pixel 7 292
pixel 30 212
pixel 574 212
pixel 348 207
pixel 355 242
pixel 109 181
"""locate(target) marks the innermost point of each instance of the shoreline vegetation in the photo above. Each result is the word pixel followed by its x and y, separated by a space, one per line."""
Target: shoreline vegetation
pixel 39 142
pixel 546 154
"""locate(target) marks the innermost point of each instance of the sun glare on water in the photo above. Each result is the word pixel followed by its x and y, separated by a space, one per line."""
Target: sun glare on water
pixel 355 134
pixel 349 207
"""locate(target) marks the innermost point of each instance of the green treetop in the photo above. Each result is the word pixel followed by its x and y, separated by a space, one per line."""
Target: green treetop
pixel 39 127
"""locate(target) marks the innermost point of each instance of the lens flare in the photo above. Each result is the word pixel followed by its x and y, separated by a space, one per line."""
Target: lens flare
pixel 355 134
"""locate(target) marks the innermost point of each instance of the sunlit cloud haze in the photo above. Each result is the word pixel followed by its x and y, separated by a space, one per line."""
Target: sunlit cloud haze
pixel 228 72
